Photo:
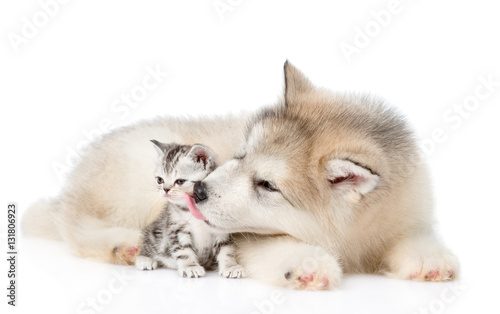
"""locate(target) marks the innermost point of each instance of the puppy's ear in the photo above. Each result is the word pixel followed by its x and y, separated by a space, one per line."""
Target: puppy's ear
pixel 204 156
pixel 296 83
pixel 347 176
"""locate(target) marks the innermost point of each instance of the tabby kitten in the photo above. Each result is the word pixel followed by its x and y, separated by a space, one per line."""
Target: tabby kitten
pixel 177 239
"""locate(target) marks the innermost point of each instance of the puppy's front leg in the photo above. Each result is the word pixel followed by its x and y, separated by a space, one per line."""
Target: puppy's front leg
pixel 287 262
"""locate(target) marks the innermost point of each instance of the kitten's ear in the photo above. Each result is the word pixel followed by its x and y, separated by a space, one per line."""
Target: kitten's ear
pixel 346 176
pixel 160 147
pixel 204 156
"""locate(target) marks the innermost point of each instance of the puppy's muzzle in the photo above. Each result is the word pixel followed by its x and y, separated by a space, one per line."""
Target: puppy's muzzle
pixel 200 192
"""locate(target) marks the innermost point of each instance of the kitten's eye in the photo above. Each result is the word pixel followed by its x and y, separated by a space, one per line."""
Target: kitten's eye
pixel 180 182
pixel 159 180
pixel 268 186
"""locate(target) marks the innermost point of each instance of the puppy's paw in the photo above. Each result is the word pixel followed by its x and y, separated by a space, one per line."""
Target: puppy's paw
pixel 422 259
pixel 125 254
pixel 323 273
pixel 235 271
pixel 192 271
pixel 300 279
pixel 145 263
pixel 435 268
pixel 284 261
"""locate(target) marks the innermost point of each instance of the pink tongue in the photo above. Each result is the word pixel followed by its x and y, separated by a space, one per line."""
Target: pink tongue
pixel 192 208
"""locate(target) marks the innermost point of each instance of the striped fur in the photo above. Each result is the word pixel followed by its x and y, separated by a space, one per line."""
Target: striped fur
pixel 176 239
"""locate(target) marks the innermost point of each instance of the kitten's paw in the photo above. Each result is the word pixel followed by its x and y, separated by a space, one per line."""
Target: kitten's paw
pixel 236 271
pixel 192 271
pixel 300 279
pixel 126 254
pixel 145 263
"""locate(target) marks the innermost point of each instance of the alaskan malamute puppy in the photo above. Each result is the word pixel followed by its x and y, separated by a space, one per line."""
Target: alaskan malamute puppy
pixel 332 183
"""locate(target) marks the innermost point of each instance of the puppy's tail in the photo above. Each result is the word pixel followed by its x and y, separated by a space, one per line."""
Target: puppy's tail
pixel 38 220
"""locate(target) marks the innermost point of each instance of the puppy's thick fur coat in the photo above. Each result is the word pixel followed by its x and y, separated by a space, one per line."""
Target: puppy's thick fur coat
pixel 333 183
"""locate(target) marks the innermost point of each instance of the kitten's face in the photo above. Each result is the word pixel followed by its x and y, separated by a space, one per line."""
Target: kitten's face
pixel 179 167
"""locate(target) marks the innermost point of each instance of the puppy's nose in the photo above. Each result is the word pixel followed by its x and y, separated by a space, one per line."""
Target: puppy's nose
pixel 200 192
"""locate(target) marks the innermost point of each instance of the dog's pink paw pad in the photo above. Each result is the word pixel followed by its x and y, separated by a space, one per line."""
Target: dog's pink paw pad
pixel 305 279
pixel 325 282
pixel 308 281
pixel 125 254
pixel 432 275
pixel 131 251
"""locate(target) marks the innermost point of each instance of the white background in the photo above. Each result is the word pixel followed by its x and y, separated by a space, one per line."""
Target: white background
pixel 427 58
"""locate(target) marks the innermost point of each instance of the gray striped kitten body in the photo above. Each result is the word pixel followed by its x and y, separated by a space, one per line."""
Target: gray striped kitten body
pixel 176 239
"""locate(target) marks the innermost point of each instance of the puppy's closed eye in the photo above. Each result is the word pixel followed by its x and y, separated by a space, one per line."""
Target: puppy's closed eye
pixel 269 186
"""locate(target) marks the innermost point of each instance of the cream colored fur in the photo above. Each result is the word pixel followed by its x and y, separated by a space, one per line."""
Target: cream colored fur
pixel 112 195
pixel 354 194
pixel 339 172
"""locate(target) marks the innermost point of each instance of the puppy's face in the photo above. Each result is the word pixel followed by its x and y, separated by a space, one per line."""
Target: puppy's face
pixel 281 181
pixel 264 189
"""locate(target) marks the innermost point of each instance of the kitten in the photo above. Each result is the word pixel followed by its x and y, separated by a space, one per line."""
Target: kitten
pixel 177 239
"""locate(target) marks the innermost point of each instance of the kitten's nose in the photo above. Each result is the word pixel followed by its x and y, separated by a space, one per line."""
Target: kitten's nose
pixel 166 190
pixel 200 192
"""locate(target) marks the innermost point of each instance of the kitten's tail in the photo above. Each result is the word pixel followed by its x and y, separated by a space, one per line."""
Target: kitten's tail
pixel 38 220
